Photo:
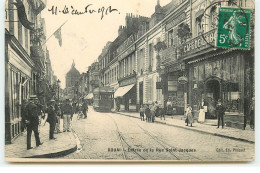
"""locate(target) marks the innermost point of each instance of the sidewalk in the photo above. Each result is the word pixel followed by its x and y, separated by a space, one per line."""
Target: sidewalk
pixel 227 132
pixel 63 144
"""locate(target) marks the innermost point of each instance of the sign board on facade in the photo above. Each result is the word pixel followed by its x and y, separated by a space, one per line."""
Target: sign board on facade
pixel 127 82
pixel 199 43
pixel 182 80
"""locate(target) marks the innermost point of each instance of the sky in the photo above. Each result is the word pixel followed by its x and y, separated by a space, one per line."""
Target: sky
pixel 84 36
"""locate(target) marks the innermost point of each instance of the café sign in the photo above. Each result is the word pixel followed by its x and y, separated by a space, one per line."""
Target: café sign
pixel 199 43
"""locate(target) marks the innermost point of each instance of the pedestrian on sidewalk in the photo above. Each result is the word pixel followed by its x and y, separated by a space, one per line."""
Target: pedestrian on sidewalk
pixel 162 111
pixel 153 112
pixel 220 109
pixel 85 109
pixel 58 117
pixel 142 113
pixel 156 108
pixel 189 116
pixel 203 108
pixel 67 112
pixel 23 114
pixel 32 121
pixel 147 112
pixel 52 118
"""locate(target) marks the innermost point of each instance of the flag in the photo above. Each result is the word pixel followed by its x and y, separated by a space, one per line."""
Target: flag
pixel 57 35
pixel 22 15
pixel 40 8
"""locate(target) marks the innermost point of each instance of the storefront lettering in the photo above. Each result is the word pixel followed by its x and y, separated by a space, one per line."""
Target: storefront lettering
pixel 127 82
pixel 199 43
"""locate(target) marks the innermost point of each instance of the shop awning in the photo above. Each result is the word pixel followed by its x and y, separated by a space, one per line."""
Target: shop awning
pixel 121 91
pixel 89 96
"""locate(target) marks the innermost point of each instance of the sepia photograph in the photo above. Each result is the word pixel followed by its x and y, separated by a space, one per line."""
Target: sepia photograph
pixel 133 81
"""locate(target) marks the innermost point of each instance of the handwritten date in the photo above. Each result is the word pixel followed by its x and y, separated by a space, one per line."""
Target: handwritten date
pixel 103 11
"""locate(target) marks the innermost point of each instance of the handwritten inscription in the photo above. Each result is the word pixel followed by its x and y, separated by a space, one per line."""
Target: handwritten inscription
pixel 89 9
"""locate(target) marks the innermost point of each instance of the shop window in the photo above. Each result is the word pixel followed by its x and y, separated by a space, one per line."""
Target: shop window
pixel 224 81
pixel 172 83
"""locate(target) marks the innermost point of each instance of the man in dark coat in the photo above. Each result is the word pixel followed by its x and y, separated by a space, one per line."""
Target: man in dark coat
pixel 147 112
pixel 23 114
pixel 32 121
pixel 85 108
pixel 220 109
pixel 51 118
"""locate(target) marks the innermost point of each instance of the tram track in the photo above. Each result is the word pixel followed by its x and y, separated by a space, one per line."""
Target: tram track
pixel 163 144
pixel 123 141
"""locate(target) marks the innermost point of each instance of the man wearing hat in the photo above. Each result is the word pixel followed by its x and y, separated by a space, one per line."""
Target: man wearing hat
pixel 32 121
pixel 220 109
pixel 67 113
pixel 51 118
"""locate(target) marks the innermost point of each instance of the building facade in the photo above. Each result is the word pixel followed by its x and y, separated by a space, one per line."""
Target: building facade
pixel 216 73
pixel 169 58
pixel 21 61
pixel 72 82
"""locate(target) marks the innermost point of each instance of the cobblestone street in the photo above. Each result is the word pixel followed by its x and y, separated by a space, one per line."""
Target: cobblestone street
pixel 116 137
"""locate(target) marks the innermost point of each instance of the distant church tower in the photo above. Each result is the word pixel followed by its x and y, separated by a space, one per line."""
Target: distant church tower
pixel 72 77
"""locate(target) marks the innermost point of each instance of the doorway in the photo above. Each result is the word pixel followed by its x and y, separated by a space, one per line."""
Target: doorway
pixel 212 95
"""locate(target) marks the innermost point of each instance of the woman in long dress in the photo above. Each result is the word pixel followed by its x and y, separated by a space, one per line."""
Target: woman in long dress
pixel 189 116
pixel 202 112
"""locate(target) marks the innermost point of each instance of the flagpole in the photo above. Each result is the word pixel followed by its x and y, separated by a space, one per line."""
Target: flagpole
pixel 54 32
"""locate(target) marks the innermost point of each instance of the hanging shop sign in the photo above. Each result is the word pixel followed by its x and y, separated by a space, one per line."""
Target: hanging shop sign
pixel 182 80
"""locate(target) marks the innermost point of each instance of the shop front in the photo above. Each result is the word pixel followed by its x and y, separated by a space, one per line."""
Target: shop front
pixel 125 95
pixel 18 83
pixel 224 75
pixel 175 90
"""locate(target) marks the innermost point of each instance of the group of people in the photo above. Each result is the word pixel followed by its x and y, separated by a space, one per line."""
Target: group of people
pixel 33 111
pixel 149 112
pixel 220 112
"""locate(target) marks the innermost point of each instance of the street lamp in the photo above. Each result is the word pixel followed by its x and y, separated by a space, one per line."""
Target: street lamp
pixel 58 81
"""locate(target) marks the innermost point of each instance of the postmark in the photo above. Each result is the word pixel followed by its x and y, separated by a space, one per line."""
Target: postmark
pixel 231 25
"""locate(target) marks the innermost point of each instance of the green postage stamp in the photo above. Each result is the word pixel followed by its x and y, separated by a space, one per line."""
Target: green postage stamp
pixel 234 28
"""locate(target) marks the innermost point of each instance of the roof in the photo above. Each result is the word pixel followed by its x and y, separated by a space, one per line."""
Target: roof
pixel 73 71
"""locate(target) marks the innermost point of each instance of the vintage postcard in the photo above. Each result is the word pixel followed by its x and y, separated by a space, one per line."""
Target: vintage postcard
pixel 158 81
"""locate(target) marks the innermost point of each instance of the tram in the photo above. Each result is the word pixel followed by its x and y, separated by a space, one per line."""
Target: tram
pixel 103 99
